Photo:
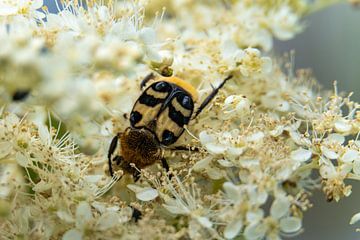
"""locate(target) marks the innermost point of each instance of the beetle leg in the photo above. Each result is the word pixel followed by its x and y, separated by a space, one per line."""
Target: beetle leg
pixel 165 165
pixel 136 175
pixel 211 96
pixel 118 159
pixel 112 148
pixel 146 80
pixel 185 148
pixel 136 214
pixel 20 95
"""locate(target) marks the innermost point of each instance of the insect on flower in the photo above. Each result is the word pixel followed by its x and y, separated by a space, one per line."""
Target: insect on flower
pixel 157 120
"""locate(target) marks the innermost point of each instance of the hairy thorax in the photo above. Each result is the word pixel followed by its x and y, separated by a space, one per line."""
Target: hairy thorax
pixel 139 146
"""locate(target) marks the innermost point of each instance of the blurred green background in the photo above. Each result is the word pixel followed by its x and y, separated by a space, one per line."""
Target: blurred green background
pixel 330 46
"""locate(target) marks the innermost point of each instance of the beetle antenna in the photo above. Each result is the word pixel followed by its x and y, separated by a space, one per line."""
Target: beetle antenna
pixel 211 96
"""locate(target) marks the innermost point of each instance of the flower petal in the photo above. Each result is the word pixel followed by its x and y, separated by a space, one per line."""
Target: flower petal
pixel 335 137
pixel 66 217
pixel 342 126
pixel 356 167
pixel 232 191
pixel 280 207
pixel 22 160
pixel 206 138
pixel 290 224
pixel 107 220
pixel 205 222
pixel 202 164
pixel 233 228
pixel 350 155
pixel 329 153
pixel 301 155
pixel 143 193
pixel 72 234
pixel 147 194
pixel 225 163
pixel 355 218
pixel 5 149
pixel 327 171
pixel 214 148
pixel 255 137
pixel 255 231
pixel 83 214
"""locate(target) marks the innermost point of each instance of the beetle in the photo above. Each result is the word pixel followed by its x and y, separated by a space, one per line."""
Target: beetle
pixel 157 120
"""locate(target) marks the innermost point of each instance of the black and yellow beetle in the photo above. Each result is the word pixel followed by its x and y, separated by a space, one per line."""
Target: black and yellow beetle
pixel 157 120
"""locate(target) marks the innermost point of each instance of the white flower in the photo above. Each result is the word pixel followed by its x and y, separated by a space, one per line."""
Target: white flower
pixel 231 53
pixel 224 143
pixel 279 217
pixel 209 141
pixel 22 7
pixel 249 61
pixel 236 105
pixel 185 202
pixel 273 100
pixel 253 65
pixel 284 23
pixel 83 217
pixel 249 30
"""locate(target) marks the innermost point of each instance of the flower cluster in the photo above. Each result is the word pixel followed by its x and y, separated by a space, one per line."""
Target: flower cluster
pixel 69 79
